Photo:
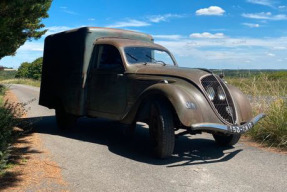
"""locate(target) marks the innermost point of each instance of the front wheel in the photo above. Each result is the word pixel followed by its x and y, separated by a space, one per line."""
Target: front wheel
pixel 226 140
pixel 65 121
pixel 161 129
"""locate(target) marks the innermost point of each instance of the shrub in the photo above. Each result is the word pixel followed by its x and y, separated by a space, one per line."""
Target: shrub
pixel 30 70
pixel 7 75
pixel 267 95
pixel 272 130
pixel 9 118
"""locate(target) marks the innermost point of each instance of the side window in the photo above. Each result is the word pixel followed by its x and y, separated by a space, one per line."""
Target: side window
pixel 108 58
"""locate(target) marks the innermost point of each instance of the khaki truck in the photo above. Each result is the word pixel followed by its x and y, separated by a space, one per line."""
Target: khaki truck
pixel 124 76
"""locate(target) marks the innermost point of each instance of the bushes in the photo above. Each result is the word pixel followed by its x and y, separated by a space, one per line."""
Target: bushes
pixel 8 120
pixel 30 70
pixel 2 91
pixel 268 94
pixel 7 75
pixel 278 75
pixel 272 130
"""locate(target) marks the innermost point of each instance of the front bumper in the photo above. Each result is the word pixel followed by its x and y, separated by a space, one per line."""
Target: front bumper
pixel 231 129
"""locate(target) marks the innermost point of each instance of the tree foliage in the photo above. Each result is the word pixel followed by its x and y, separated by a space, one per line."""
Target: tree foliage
pixel 30 70
pixel 20 20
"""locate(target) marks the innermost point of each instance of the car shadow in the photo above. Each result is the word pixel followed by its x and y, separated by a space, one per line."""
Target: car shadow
pixel 188 151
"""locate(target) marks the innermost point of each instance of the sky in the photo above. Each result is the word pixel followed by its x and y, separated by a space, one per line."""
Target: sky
pixel 213 34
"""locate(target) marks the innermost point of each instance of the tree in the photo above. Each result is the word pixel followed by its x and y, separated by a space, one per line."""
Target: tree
pixel 30 70
pixel 20 20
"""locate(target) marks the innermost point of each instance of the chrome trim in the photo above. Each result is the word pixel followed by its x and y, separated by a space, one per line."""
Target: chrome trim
pixel 231 129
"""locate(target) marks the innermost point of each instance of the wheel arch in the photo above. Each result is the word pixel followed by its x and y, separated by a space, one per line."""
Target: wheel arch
pixel 175 96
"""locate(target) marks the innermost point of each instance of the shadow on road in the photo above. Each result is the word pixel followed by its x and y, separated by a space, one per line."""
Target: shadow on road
pixel 19 153
pixel 187 151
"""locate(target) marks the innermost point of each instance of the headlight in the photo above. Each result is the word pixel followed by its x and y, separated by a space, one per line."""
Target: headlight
pixel 211 93
pixel 220 94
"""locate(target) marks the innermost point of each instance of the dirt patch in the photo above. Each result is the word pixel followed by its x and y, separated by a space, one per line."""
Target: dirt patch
pixel 32 168
pixel 248 141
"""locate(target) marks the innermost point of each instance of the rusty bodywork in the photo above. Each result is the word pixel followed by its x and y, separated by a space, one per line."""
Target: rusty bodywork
pixel 109 73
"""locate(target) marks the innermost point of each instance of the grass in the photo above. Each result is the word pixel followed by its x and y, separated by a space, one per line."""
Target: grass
pixel 267 95
pixel 2 92
pixel 30 82
pixel 260 85
pixel 7 75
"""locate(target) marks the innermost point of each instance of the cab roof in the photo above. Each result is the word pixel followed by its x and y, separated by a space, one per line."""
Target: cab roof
pixel 124 42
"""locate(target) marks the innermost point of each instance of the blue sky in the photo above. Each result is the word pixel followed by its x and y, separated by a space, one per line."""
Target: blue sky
pixel 220 34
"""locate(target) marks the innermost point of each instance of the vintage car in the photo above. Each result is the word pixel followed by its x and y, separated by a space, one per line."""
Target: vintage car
pixel 124 76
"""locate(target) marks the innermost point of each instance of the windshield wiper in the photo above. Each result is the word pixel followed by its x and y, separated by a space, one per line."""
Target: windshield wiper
pixel 133 57
pixel 156 61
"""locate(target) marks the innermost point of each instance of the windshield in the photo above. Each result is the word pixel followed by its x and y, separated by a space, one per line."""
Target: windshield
pixel 147 55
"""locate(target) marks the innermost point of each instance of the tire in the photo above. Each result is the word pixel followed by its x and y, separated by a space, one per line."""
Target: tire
pixel 161 129
pixel 226 140
pixel 65 121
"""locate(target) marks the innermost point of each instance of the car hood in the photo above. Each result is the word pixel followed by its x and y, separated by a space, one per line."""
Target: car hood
pixel 179 72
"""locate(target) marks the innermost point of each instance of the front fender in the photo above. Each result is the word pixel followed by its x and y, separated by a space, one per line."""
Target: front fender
pixel 242 104
pixel 187 101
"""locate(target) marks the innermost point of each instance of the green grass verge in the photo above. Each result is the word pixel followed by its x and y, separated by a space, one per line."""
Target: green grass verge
pixel 269 96
pixel 7 75
pixel 30 82
pixel 2 92
pixel 272 130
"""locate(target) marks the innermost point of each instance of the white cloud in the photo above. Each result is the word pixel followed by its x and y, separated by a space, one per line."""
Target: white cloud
pixel 270 54
pixel 66 10
pixel 169 37
pixel 269 3
pixel 265 15
pixel 249 53
pixel 31 46
pixel 280 48
pixel 91 19
pixel 207 35
pixel 282 7
pixel 212 10
pixel 160 18
pixel 56 29
pixel 129 23
pixel 184 46
pixel 251 25
pixel 26 53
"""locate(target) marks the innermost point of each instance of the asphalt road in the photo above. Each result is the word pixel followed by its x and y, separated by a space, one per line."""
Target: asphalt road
pixel 95 157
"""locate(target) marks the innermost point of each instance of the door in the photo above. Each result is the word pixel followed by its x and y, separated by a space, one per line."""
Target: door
pixel 107 83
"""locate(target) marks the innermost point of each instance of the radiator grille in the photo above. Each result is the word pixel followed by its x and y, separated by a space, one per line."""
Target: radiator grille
pixel 223 104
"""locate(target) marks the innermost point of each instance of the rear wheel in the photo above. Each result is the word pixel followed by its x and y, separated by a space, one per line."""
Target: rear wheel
pixel 226 140
pixel 65 120
pixel 161 129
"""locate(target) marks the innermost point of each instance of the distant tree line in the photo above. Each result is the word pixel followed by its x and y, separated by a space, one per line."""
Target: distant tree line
pixel 30 70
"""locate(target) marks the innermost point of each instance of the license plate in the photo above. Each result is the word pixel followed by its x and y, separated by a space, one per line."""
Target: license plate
pixel 241 128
